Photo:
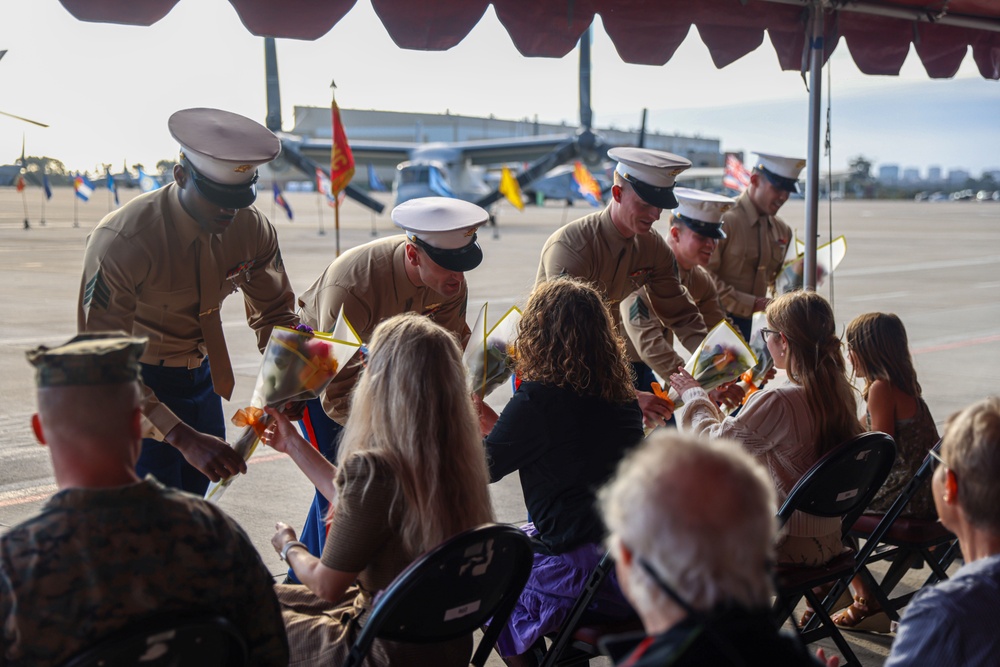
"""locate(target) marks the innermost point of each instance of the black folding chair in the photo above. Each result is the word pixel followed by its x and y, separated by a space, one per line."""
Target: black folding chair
pixel 167 640
pixel 841 484
pixel 901 540
pixel 451 591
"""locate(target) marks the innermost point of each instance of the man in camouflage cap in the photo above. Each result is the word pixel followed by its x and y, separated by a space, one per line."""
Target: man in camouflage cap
pixel 108 548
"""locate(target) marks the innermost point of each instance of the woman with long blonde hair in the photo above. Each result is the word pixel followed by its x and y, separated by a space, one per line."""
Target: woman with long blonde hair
pixel 410 474
pixel 790 427
pixel 572 418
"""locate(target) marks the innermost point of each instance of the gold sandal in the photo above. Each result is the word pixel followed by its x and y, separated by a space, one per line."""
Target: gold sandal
pixel 857 617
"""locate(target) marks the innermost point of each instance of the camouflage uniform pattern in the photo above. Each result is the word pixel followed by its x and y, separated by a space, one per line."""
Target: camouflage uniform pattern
pixel 89 359
pixel 95 559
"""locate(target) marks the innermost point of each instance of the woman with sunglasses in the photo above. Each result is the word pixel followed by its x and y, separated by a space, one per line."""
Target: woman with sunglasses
pixel 789 427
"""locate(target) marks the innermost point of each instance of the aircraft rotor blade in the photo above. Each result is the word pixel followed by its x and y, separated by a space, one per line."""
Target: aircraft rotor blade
pixel 563 153
pixel 26 120
pixel 586 115
pixel 291 153
pixel 642 129
pixel 273 120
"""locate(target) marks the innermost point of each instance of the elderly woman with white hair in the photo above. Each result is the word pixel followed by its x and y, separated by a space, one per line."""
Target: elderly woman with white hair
pixel 691 525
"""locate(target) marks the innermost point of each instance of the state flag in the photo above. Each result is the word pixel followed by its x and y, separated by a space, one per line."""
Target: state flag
pixel 280 200
pixel 511 189
pixel 374 182
pixel 20 183
pixel 112 186
pixel 147 183
pixel 83 187
pixel 585 183
pixel 46 185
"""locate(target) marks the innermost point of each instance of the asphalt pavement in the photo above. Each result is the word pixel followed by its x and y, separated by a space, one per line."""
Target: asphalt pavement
pixel 936 265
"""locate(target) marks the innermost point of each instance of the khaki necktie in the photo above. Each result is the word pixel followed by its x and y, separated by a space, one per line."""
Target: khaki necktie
pixel 763 246
pixel 211 321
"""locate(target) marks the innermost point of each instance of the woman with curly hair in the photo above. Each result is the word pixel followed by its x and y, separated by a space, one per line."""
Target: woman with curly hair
pixel 410 474
pixel 789 427
pixel 572 418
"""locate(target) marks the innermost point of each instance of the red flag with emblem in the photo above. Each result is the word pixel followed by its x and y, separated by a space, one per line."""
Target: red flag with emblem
pixel 20 183
pixel 341 157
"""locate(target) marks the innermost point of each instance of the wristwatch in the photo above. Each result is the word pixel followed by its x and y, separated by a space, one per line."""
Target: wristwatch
pixel 288 545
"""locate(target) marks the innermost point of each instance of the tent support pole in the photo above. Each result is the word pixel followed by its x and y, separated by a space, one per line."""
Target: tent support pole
pixel 816 47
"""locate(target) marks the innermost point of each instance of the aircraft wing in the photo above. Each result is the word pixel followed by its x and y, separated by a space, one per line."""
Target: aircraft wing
pixel 515 149
pixel 378 153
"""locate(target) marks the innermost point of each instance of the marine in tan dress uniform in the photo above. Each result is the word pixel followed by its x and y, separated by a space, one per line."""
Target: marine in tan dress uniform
pixel 749 259
pixel 160 267
pixel 616 250
pixel 421 272
pixel 695 230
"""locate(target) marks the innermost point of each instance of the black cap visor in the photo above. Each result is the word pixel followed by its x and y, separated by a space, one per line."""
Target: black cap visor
pixel 460 259
pixel 780 182
pixel 708 229
pixel 652 195
pixel 226 196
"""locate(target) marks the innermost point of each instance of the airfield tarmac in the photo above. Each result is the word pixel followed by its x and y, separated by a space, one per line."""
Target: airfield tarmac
pixel 936 265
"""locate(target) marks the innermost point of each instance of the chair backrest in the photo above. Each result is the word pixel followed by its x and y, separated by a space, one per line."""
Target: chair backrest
pixel 451 591
pixel 842 483
pixel 166 640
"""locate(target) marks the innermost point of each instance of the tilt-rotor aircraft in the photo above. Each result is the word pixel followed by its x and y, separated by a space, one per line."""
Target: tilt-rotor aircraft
pixel 427 169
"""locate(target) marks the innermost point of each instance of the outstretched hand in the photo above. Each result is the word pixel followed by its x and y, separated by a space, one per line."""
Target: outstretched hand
pixel 280 433
pixel 283 533
pixel 655 410
pixel 211 455
pixel 681 381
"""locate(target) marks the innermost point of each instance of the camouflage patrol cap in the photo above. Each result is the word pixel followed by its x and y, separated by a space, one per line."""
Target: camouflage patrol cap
pixel 107 357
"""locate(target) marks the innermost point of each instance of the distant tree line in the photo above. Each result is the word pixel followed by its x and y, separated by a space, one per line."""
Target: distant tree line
pixel 35 166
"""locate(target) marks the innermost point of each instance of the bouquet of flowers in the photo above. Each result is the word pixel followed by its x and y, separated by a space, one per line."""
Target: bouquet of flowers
pixel 298 364
pixel 828 257
pixel 722 357
pixel 487 356
pixel 753 378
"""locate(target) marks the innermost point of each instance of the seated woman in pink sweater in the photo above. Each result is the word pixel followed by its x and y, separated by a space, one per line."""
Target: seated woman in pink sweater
pixel 789 427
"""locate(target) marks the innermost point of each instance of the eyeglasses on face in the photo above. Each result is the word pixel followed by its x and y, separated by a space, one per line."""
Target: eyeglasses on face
pixel 937 459
pixel 765 333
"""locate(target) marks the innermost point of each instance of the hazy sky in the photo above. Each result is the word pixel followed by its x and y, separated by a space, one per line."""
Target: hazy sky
pixel 107 90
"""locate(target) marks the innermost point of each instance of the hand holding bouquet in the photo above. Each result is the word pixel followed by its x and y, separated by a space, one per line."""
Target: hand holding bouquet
pixel 298 364
pixel 828 257
pixel 487 356
pixel 722 357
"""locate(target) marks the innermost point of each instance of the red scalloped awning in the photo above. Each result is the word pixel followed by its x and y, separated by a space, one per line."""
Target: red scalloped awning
pixel 645 32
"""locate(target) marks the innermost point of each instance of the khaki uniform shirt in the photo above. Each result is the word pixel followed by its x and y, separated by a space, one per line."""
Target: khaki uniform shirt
pixel 593 249
pixel 747 261
pixel 140 276
pixel 653 340
pixel 370 282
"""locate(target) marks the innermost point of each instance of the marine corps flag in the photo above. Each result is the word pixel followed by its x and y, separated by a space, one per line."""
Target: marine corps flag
pixel 341 158
pixel 511 189
pixel 20 183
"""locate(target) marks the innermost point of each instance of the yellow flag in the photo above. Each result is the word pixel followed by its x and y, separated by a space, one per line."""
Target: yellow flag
pixel 510 189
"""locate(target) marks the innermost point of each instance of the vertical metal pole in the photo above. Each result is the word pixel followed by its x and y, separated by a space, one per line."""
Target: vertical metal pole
pixel 816 47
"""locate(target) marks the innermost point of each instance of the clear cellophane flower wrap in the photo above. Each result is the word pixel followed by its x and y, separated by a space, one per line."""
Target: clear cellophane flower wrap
pixel 298 364
pixel 722 357
pixel 488 355
pixel 828 258
pixel 753 378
